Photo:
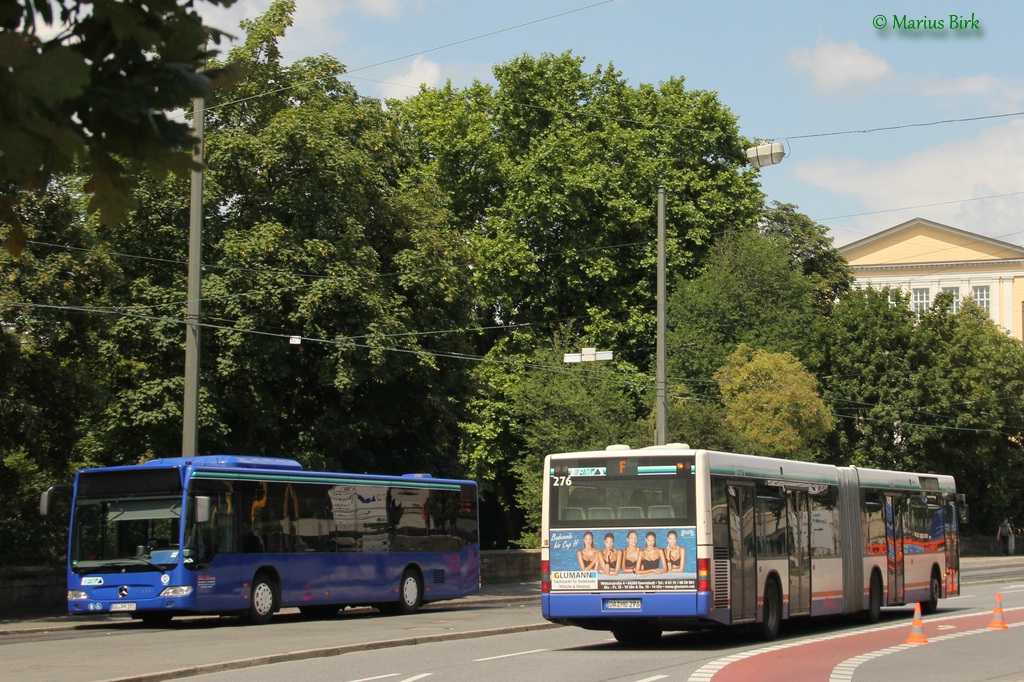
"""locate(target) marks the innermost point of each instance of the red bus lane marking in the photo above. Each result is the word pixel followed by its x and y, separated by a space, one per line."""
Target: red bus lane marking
pixel 819 658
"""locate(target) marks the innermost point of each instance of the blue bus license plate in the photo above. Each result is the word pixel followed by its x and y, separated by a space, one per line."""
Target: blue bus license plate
pixel 123 606
pixel 622 603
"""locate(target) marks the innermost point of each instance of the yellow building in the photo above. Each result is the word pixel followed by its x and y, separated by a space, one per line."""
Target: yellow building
pixel 925 258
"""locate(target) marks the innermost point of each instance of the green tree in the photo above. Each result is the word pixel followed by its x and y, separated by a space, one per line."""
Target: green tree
pixel 545 406
pixel 320 237
pixel 49 374
pixel 811 248
pixel 568 164
pixel 96 95
pixel 698 419
pixel 320 233
pixel 969 418
pixel 551 176
pixel 772 404
pixel 749 292
pixel 864 356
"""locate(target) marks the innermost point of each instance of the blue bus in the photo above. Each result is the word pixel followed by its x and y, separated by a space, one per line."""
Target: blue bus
pixel 251 535
pixel 670 537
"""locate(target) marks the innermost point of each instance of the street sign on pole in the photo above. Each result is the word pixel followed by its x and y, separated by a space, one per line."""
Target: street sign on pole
pixel 588 355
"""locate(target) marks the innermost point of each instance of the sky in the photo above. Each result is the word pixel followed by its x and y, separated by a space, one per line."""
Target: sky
pixel 888 111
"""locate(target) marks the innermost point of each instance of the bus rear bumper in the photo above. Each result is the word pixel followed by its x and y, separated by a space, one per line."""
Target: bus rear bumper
pixel 677 610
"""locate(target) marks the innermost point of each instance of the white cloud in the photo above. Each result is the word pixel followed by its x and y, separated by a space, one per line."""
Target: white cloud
pixel 381 8
pixel 227 18
pixel 999 93
pixel 934 184
pixel 402 85
pixel 316 24
pixel 835 67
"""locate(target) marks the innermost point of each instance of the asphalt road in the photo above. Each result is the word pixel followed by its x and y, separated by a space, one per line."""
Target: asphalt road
pixel 115 648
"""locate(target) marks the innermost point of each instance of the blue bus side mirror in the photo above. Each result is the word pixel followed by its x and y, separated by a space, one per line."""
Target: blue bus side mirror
pixel 46 499
pixel 202 509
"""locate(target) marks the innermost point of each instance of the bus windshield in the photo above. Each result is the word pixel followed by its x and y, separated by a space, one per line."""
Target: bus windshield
pixel 134 534
pixel 130 521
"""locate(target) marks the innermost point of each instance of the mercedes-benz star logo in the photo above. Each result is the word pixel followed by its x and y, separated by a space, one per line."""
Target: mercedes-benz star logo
pixel 122 591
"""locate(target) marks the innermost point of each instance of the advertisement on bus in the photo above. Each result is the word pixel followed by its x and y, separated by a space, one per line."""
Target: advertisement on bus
pixel 620 559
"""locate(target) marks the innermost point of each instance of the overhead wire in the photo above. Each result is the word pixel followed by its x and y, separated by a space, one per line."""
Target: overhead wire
pixel 615 376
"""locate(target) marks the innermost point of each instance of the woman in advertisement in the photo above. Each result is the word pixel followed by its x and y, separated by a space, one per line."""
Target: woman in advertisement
pixel 611 558
pixel 589 558
pixel 630 555
pixel 652 558
pixel 675 556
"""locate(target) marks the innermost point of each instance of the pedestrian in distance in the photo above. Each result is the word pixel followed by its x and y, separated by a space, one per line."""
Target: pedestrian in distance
pixel 1005 535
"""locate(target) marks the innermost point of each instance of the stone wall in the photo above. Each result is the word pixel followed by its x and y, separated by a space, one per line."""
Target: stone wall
pixel 31 589
pixel 498 566
pixel 986 546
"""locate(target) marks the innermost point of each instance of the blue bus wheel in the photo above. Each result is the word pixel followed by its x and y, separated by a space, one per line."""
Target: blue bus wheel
pixel 410 592
pixel 262 600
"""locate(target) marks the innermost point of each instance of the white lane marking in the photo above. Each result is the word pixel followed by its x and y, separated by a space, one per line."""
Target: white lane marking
pixel 518 653
pixel 844 671
pixel 378 677
pixel 417 677
pixel 652 679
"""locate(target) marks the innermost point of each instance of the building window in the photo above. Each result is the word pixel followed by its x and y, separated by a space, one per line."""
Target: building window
pixel 981 297
pixel 954 307
pixel 919 301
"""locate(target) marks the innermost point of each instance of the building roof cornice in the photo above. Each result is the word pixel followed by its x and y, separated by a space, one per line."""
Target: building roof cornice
pixel 972 264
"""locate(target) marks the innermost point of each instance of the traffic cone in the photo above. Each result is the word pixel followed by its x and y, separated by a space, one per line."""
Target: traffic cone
pixel 917 628
pixel 998 622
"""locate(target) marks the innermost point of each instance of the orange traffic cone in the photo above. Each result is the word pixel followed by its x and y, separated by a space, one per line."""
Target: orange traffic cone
pixel 917 628
pixel 998 622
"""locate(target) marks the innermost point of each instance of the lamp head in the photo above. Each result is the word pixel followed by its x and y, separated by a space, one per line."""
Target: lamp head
pixel 766 154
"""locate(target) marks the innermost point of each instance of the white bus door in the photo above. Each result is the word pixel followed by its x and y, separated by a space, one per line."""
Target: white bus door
pixel 799 553
pixel 742 556
pixel 894 506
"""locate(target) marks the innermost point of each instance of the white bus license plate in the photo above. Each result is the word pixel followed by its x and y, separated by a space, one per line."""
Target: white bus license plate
pixel 622 603
pixel 123 606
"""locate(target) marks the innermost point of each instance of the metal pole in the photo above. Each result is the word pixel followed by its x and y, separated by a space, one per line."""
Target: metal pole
pixel 190 410
pixel 661 388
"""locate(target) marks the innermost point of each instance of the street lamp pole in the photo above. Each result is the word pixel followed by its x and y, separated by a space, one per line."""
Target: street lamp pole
pixel 190 409
pixel 767 153
pixel 661 380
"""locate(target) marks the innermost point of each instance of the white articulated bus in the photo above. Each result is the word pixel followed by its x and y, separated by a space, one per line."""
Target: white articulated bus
pixel 673 538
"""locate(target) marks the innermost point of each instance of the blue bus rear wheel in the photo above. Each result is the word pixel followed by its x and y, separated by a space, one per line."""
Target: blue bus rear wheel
pixel 410 592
